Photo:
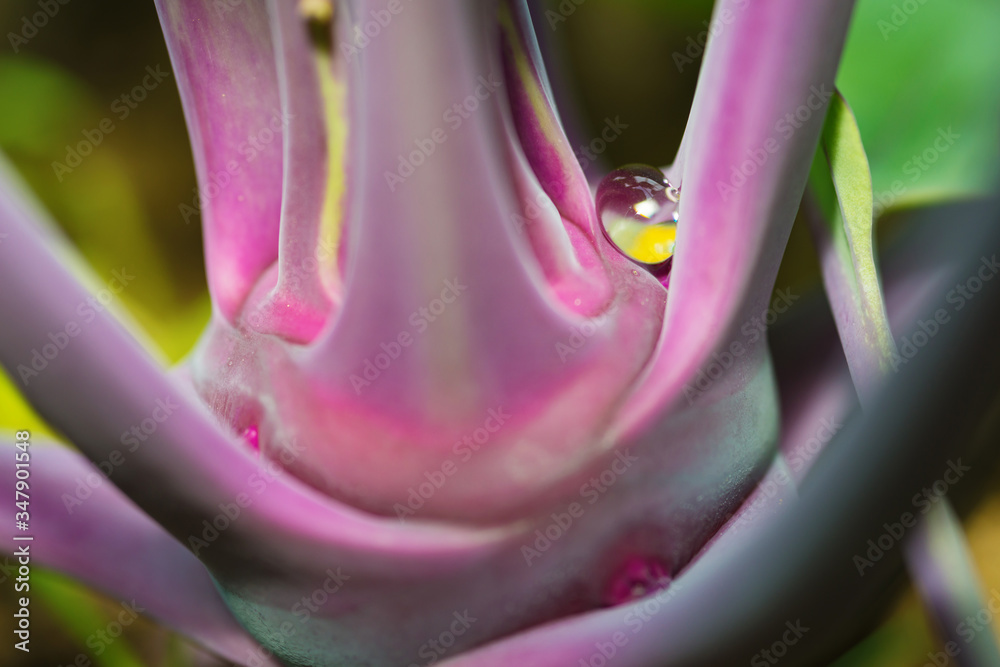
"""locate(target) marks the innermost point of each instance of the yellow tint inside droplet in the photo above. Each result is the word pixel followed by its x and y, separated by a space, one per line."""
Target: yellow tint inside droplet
pixel 649 244
pixel 316 10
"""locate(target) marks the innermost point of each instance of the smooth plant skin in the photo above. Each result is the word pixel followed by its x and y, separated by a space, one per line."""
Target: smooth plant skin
pixel 370 321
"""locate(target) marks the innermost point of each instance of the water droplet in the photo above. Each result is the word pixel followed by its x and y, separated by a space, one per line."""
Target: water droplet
pixel 638 576
pixel 252 437
pixel 637 206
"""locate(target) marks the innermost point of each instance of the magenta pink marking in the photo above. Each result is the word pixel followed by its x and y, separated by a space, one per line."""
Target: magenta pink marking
pixel 638 576
pixel 250 435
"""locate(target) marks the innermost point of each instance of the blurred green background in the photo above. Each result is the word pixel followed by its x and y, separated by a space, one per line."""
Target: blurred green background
pixel 912 68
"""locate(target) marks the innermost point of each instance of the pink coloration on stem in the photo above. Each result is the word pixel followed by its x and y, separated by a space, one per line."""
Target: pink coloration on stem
pixel 224 63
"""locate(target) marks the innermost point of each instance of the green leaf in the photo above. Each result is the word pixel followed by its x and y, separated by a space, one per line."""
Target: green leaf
pixel 936 554
pixel 82 615
pixel 843 231
pixel 917 74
